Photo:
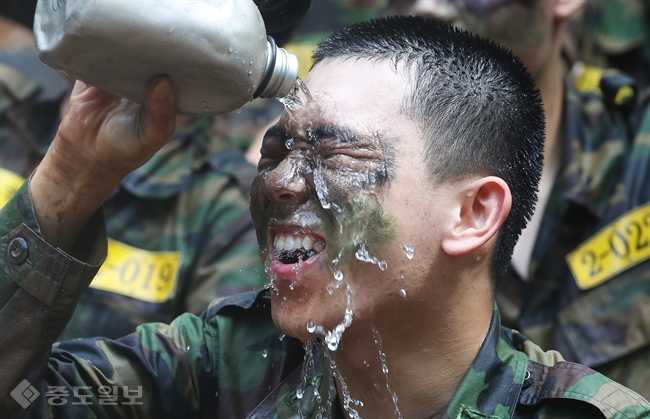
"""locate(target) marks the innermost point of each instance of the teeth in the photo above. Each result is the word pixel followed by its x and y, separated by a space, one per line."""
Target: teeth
pixel 293 242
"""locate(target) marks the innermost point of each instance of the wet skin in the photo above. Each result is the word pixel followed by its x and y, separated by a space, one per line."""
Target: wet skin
pixel 331 171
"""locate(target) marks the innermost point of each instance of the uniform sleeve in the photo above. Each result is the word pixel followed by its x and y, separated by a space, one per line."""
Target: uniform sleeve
pixel 39 287
pixel 159 371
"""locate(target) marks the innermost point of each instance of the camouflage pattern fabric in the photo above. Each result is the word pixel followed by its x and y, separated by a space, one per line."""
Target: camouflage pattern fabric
pixel 615 26
pixel 30 97
pixel 604 176
pixel 230 362
pixel 616 33
pixel 184 215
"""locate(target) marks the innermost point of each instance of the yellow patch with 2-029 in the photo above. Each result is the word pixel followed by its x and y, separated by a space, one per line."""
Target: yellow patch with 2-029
pixel 142 274
pixel 9 184
pixel 617 247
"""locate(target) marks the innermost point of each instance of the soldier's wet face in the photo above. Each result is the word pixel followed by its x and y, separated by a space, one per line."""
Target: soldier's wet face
pixel 341 192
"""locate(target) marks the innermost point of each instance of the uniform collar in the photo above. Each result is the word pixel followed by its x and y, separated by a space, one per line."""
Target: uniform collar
pixel 490 388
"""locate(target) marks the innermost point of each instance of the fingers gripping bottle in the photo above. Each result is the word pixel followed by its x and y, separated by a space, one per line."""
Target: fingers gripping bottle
pixel 216 53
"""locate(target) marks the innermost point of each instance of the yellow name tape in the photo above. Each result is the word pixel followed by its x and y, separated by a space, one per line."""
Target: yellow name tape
pixel 9 184
pixel 145 275
pixel 619 246
pixel 142 274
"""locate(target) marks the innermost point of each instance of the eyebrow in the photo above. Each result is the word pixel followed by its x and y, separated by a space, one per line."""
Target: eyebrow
pixel 342 133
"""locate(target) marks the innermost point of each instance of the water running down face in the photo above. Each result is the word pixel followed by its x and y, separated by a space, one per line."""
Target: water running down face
pixel 338 192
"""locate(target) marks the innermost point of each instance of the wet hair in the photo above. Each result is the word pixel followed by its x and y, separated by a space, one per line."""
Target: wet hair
pixel 476 104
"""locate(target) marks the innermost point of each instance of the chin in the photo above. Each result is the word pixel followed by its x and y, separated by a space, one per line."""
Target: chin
pixel 293 310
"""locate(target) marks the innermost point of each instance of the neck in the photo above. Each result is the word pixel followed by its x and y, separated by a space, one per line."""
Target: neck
pixel 415 362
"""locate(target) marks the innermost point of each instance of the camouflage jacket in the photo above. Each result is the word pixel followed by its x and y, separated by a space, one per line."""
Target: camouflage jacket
pixel 230 362
pixel 179 227
pixel 588 293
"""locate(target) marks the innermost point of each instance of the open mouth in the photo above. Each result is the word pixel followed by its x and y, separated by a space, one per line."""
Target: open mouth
pixel 296 246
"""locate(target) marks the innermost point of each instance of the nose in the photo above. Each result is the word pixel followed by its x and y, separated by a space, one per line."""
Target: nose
pixel 285 184
pixel 441 10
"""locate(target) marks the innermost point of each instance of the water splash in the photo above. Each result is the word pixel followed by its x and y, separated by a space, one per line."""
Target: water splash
pixel 408 250
pixel 348 400
pixel 363 255
pixel 384 369
pixel 292 100
pixel 333 338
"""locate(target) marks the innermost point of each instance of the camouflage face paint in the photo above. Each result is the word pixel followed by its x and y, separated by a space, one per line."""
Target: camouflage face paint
pixel 340 173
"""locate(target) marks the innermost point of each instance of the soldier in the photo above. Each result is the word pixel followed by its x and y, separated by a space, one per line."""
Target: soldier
pixel 580 278
pixel 179 227
pixel 386 207
pixel 616 33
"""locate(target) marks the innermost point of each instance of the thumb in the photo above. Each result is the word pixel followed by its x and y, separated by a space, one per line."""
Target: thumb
pixel 160 112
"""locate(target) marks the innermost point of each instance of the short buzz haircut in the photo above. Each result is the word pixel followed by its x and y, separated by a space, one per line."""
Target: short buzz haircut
pixel 474 101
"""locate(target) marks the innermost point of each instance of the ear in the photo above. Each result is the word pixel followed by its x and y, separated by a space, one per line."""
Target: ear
pixel 481 208
pixel 564 9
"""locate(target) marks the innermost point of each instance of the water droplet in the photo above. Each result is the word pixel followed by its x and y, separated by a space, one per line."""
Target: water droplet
pixel 230 48
pixel 216 394
pixel 265 353
pixel 338 275
pixel 383 265
pixel 281 337
pixel 188 348
pixel 291 287
pixel 478 258
pixel 299 393
pixel 402 292
pixel 311 327
pixel 239 111
pixel 289 144
pixel 408 250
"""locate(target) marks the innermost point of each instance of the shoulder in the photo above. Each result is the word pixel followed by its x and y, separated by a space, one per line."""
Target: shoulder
pixel 554 387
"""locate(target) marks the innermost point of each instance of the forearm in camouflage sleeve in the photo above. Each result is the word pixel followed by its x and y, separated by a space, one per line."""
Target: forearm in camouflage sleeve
pixel 39 287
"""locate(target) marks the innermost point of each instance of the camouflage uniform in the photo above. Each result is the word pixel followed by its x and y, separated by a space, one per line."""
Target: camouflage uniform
pixel 231 362
pixel 183 217
pixel 603 181
pixel 616 33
